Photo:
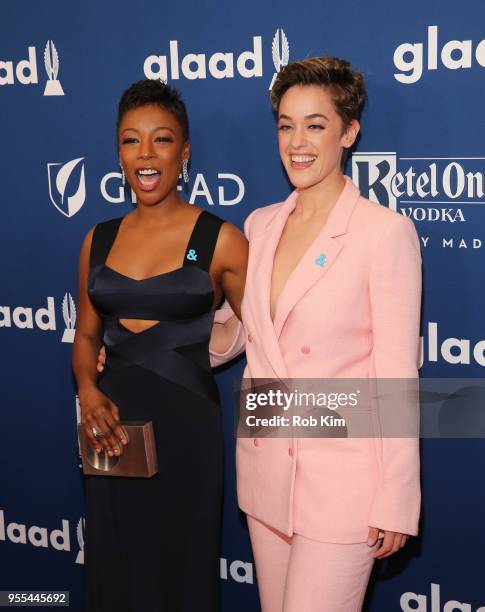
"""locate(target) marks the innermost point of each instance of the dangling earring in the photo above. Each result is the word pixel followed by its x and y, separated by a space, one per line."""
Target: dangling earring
pixel 185 171
pixel 123 177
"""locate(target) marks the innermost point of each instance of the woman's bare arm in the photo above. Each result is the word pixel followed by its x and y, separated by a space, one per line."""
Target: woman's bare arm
pixel 96 409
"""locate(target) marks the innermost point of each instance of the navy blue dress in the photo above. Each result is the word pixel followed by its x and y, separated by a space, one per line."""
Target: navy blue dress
pixel 152 545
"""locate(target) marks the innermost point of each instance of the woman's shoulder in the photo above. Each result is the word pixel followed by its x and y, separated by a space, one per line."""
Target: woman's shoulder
pixel 259 217
pixel 379 217
pixel 100 231
pixel 377 228
pixel 103 226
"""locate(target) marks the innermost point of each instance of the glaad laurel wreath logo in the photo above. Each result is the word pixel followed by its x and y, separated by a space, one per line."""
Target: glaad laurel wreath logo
pixel 219 65
pixel 80 540
pixel 62 540
pixel 53 86
pixel 281 53
pixel 69 315
pixel 42 537
pixel 42 319
pixel 26 70
pixel 59 176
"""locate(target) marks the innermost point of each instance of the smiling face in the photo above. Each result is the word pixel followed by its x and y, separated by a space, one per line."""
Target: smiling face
pixel 151 149
pixel 311 135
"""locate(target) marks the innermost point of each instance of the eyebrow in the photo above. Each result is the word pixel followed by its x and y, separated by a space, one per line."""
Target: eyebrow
pixel 160 127
pixel 312 116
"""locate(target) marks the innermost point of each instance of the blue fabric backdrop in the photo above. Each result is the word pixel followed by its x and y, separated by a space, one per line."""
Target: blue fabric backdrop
pixel 63 67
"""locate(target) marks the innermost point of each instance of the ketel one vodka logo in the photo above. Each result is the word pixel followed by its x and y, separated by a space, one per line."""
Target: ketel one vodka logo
pixel 25 70
pixel 423 188
pixel 281 53
pixel 67 186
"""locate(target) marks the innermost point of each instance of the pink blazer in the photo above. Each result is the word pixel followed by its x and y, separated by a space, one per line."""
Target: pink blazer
pixel 356 316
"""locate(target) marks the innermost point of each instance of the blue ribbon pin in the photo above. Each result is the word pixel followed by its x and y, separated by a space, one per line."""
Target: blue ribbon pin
pixel 320 260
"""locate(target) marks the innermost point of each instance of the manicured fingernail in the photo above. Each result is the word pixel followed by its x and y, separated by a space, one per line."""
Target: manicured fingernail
pixel 370 542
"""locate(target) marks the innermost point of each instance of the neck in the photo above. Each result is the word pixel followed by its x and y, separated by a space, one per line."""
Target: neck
pixel 161 211
pixel 319 199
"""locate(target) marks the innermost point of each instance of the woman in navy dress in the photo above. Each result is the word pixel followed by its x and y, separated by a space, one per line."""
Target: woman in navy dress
pixel 148 286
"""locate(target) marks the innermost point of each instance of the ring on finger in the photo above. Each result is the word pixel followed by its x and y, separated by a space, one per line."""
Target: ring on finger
pixel 97 433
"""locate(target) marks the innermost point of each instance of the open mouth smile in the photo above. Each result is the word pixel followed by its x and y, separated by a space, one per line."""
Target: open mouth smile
pixel 148 178
pixel 300 162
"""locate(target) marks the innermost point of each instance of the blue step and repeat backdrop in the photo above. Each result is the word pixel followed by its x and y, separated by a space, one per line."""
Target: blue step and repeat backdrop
pixel 63 67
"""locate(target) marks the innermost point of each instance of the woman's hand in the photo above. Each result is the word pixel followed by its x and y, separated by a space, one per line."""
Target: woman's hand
pixel 222 335
pixel 99 412
pixel 391 543
pixel 101 359
pixel 96 409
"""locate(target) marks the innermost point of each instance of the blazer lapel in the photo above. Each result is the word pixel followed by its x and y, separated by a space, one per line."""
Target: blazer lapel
pixel 319 257
pixel 262 247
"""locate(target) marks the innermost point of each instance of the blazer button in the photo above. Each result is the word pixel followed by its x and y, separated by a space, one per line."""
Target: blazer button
pixel 250 338
pixel 305 349
pixel 290 452
pixel 256 442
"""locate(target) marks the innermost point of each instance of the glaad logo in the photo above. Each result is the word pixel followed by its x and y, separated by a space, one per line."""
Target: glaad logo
pixel 60 175
pixel 230 189
pixel 43 318
pixel 24 318
pixel 80 540
pixel 41 537
pixel 26 70
pixel 423 188
pixel 195 65
pixel 69 315
pixel 53 86
pixel 455 55
pixel 281 53
pixel 240 571
pixel 421 601
pixel 17 533
pixel 455 351
pixel 220 65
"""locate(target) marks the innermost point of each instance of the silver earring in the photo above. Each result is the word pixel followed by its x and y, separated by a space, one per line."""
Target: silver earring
pixel 185 171
pixel 123 177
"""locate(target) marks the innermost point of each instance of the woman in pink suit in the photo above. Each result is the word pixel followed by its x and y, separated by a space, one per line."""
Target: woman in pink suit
pixel 333 291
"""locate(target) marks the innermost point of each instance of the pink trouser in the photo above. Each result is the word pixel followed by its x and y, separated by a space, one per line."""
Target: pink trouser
pixel 296 574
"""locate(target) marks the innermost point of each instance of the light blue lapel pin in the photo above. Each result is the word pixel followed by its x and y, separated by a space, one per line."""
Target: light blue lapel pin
pixel 192 255
pixel 320 260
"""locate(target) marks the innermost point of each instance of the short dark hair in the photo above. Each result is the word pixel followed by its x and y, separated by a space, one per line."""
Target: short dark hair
pixel 148 91
pixel 346 85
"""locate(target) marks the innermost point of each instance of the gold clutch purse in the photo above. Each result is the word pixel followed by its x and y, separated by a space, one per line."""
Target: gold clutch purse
pixel 139 457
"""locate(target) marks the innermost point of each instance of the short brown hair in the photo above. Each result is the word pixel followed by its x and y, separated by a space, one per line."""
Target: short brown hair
pixel 345 84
